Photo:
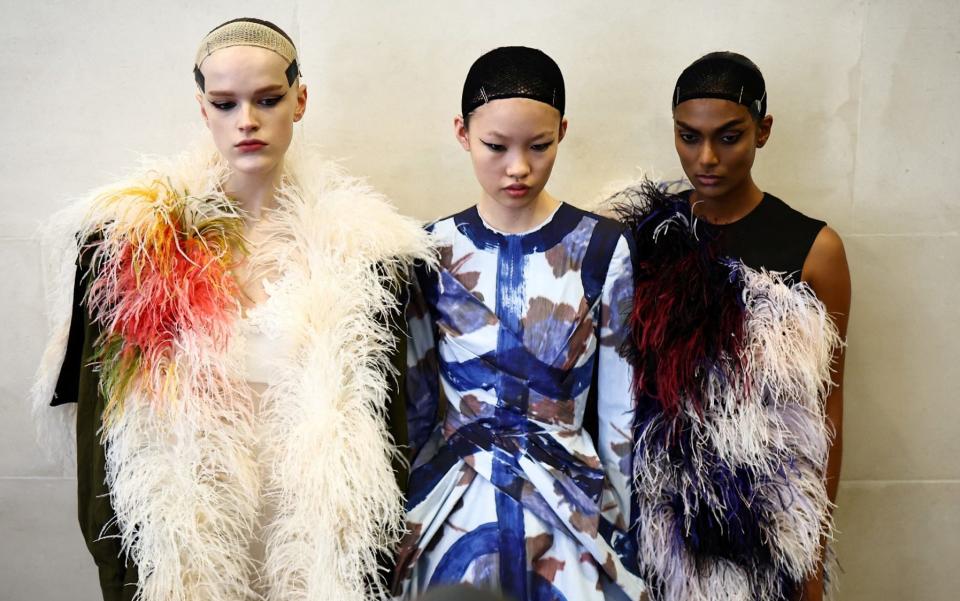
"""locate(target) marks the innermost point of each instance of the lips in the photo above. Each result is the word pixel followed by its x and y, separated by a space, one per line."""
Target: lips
pixel 709 180
pixel 251 145
pixel 517 190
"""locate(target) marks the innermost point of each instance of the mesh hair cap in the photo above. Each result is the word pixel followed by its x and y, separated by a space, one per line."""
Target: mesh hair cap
pixel 513 72
pixel 725 75
pixel 248 32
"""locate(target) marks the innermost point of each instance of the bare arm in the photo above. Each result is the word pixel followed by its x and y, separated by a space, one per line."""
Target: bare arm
pixel 827 273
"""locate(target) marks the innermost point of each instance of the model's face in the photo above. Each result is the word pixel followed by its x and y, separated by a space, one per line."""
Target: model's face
pixel 249 107
pixel 513 144
pixel 717 141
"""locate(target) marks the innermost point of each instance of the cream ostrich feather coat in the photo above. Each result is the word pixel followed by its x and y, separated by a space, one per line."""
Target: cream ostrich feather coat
pixel 179 430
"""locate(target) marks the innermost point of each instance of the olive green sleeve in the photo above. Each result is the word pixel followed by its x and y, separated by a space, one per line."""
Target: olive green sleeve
pixel 79 382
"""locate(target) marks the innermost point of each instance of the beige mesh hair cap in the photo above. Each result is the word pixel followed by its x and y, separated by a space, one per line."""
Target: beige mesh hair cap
pixel 247 32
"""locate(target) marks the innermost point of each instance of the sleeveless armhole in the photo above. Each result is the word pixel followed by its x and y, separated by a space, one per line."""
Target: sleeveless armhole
pixel 774 236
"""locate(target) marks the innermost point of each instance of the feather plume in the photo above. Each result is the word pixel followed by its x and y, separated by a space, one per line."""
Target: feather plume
pixel 178 423
pixel 329 479
pixel 59 251
pixel 733 365
pixel 185 480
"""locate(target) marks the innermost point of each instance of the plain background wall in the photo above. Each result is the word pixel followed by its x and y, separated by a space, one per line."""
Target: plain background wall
pixel 865 136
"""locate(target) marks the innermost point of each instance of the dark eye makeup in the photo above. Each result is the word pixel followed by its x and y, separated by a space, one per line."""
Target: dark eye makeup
pixel 542 147
pixel 269 101
pixel 494 147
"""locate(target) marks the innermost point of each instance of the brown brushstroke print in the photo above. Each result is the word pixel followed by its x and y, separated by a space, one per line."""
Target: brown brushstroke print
pixel 621 449
pixel 551 411
pixel 471 406
pixel 446 256
pixel 547 327
pixel 548 567
pixel 577 344
pixel 588 524
pixel 610 567
pixel 467 475
pixel 591 461
pixel 467 279
pixel 560 261
pixel 407 555
pixel 538 545
pixel 542 309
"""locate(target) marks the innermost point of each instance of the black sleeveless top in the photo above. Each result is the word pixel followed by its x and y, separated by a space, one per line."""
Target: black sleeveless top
pixel 773 236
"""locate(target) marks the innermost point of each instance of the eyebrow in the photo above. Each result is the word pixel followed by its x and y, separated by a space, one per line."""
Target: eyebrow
pixel 727 125
pixel 263 90
pixel 543 134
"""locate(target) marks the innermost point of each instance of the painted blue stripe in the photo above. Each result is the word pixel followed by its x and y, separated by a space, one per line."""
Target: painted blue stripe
pixel 596 260
pixel 481 541
pixel 469 223
pixel 425 478
pixel 489 370
pixel 543 590
pixel 512 398
pixel 513 551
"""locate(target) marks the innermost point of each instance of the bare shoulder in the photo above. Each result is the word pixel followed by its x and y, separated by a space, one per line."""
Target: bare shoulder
pixel 827 271
pixel 827 246
pixel 827 258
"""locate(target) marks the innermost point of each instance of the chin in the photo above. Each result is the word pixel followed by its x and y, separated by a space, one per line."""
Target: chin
pixel 711 192
pixel 513 203
pixel 505 200
pixel 253 165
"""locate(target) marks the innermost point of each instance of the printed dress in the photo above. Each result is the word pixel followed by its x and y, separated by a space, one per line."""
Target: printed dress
pixel 521 481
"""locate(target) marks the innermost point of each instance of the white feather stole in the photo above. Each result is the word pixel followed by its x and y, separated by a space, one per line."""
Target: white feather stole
pixel 185 481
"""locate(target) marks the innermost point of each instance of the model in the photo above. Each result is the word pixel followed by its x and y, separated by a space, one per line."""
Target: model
pixel 519 402
pixel 222 340
pixel 740 308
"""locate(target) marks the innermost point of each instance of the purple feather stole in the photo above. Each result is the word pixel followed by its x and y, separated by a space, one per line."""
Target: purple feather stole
pixel 732 366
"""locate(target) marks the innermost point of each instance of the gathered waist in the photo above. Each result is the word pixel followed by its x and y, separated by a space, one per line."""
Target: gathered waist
pixel 510 436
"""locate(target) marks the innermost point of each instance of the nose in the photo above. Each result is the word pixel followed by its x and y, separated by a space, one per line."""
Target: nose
pixel 707 155
pixel 247 118
pixel 518 167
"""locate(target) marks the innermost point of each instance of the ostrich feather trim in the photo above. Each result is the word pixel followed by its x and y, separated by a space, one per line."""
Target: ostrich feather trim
pixel 189 462
pixel 732 369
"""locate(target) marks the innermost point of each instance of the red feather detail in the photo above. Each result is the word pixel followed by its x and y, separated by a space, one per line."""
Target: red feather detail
pixel 687 319
pixel 166 277
pixel 156 299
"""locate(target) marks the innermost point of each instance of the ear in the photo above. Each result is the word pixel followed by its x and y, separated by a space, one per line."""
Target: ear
pixel 301 103
pixel 461 133
pixel 563 130
pixel 203 110
pixel 763 130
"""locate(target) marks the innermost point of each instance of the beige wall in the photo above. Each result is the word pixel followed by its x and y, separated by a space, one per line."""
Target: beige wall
pixel 865 137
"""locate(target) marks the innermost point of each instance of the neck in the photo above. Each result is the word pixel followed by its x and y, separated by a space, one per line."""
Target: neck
pixel 514 220
pixel 730 206
pixel 255 194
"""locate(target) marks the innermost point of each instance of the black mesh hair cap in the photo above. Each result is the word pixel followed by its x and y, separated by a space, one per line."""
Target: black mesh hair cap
pixel 725 75
pixel 513 72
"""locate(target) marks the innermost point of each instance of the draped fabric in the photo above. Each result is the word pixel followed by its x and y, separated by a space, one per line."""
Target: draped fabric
pixel 514 354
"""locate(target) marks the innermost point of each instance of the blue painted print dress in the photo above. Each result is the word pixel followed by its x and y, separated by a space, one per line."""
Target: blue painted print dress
pixel 521 481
